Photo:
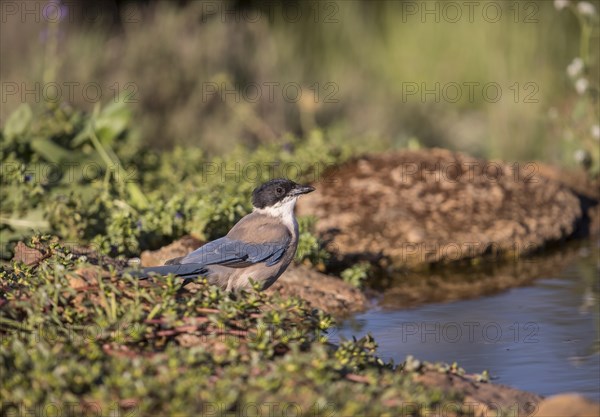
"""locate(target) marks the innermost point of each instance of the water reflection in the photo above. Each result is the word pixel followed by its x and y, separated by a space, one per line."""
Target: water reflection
pixel 544 337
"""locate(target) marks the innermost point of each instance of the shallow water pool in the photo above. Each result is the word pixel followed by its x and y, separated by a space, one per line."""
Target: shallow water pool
pixel 542 338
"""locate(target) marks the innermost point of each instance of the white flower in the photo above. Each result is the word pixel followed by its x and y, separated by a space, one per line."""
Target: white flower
pixel 581 85
pixel 575 67
pixel 595 131
pixel 580 155
pixel 561 4
pixel 586 8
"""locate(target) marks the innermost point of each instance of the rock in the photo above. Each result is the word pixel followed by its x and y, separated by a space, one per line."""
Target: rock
pixel 434 205
pixel 29 256
pixel 76 281
pixel 325 292
pixel 588 191
pixel 568 405
pixel 481 399
pixel 577 180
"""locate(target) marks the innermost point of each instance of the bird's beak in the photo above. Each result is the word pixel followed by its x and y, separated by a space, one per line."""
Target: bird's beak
pixel 302 189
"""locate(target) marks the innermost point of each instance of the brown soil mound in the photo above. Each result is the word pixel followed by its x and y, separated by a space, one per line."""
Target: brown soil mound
pixel 434 205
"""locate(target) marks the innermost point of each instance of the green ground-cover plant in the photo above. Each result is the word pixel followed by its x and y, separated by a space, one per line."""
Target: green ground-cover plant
pixel 76 335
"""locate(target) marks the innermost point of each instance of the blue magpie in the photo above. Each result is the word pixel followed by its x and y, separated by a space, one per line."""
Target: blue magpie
pixel 259 247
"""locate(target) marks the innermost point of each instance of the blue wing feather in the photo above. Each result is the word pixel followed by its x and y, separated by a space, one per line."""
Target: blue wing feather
pixel 235 253
pixel 276 257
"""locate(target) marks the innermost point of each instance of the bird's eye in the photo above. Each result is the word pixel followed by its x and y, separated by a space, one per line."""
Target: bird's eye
pixel 279 190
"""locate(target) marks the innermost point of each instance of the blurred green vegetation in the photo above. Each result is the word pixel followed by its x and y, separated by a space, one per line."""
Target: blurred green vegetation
pixel 353 62
pixel 76 335
pixel 356 274
pixel 86 178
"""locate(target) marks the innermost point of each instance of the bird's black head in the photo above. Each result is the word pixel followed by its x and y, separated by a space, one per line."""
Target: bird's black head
pixel 277 191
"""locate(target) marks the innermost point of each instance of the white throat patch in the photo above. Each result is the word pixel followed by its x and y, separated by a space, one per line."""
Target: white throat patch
pixel 284 211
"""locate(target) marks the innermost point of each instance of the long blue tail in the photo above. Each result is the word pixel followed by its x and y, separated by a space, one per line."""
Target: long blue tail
pixel 180 270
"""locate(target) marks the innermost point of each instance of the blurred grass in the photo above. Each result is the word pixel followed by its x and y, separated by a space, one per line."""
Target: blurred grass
pixel 167 54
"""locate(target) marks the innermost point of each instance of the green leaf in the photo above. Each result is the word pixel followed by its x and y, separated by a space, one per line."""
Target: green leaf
pixel 32 220
pixel 50 151
pixel 112 121
pixel 18 122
